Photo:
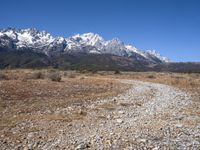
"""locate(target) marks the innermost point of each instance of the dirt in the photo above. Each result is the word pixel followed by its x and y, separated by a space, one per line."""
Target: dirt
pixel 131 115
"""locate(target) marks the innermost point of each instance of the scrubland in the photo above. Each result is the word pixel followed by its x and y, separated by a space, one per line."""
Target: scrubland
pixel 36 105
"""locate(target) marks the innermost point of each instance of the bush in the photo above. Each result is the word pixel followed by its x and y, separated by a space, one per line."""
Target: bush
pixel 38 75
pixel 55 76
pixel 94 71
pixel 83 71
pixel 117 72
pixel 3 77
pixel 65 73
pixel 151 76
pixel 71 75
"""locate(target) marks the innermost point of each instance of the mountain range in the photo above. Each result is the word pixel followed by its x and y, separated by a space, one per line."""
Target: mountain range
pixel 43 42
pixel 31 48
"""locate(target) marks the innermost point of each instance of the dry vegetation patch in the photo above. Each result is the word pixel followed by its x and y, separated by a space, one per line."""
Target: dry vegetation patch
pixel 30 91
pixel 186 81
pixel 31 96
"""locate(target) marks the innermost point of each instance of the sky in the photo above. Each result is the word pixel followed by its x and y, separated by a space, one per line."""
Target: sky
pixel 171 27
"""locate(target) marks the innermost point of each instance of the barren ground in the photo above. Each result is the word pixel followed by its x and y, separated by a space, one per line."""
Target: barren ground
pixel 99 110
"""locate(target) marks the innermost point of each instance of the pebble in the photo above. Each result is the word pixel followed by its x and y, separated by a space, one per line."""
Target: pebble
pixel 112 132
pixel 82 146
pixel 142 140
pixel 121 112
pixel 119 121
pixel 178 125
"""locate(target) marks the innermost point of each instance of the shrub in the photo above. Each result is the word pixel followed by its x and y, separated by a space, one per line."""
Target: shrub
pixel 65 73
pixel 117 72
pixel 55 76
pixel 3 77
pixel 94 71
pixel 51 70
pixel 83 71
pixel 38 75
pixel 101 73
pixel 71 75
pixel 151 76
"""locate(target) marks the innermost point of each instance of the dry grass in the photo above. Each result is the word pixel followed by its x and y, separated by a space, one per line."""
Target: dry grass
pixel 71 75
pixel 21 99
pixel 181 80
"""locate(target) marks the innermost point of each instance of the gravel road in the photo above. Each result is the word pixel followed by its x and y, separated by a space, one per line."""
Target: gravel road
pixel 147 116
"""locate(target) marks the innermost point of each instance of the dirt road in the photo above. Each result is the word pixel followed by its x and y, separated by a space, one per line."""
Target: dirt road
pixel 147 116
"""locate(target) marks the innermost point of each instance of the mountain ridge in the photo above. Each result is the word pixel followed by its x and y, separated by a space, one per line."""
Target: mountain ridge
pixel 44 42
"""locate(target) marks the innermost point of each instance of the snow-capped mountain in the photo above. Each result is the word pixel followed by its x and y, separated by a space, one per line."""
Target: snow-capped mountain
pixel 43 42
pixel 155 54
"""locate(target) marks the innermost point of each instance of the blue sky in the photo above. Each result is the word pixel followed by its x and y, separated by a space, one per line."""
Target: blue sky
pixel 172 27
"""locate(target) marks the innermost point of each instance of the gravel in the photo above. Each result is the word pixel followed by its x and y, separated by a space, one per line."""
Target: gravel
pixel 147 116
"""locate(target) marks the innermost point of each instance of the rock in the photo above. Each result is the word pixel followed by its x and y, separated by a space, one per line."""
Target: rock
pixel 142 140
pixel 30 135
pixel 102 124
pixel 178 125
pixel 108 117
pixel 111 133
pixel 48 111
pixel 121 112
pixel 82 146
pixel 82 125
pixel 69 125
pixel 30 146
pixel 109 142
pixel 156 148
pixel 119 121
pixel 26 148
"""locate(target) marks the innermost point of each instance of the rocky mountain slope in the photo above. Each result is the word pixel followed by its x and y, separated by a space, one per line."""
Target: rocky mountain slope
pixel 43 42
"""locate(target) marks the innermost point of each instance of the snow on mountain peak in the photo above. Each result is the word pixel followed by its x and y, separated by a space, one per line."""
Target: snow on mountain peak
pixel 41 41
pixel 89 38
pixel 154 53
pixel 132 48
pixel 116 40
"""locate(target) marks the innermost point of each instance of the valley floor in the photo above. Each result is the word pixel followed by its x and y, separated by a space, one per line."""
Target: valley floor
pixel 100 111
